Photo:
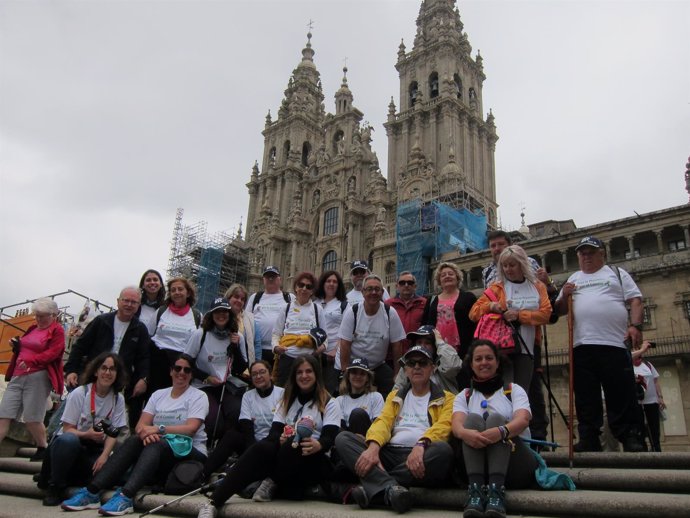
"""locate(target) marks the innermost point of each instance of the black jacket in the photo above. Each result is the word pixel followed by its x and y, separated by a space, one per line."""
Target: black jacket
pixel 98 337
pixel 466 327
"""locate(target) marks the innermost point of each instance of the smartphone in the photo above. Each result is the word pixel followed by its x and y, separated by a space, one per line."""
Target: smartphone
pixel 652 344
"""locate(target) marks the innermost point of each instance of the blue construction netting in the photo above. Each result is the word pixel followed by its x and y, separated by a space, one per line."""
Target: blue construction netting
pixel 426 230
pixel 208 277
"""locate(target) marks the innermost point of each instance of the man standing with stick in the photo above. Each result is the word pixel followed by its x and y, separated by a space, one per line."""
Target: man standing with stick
pixel 602 334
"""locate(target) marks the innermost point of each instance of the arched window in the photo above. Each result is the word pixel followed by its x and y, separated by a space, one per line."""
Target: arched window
pixel 433 85
pixel 458 86
pixel 286 151
pixel 413 93
pixel 306 151
pixel 330 261
pixel 330 221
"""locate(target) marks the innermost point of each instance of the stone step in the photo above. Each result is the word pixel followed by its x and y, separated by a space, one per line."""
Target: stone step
pixel 624 479
pixel 645 460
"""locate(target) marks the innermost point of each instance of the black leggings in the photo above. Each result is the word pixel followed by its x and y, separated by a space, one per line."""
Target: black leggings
pixel 232 441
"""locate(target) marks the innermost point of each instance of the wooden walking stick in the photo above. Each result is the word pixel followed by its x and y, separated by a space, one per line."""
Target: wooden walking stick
pixel 571 398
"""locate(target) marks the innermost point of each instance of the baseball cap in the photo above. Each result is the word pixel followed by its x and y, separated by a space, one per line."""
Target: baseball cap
pixel 359 265
pixel 422 332
pixel 271 269
pixel 318 335
pixel 418 349
pixel 220 303
pixel 359 363
pixel 589 241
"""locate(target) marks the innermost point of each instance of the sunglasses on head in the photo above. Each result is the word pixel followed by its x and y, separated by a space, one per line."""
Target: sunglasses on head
pixel 413 362
pixel 180 368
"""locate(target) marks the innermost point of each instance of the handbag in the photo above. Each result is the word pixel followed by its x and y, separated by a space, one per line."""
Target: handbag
pixel 493 327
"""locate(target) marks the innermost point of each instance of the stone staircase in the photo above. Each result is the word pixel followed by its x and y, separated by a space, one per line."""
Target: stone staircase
pixel 609 484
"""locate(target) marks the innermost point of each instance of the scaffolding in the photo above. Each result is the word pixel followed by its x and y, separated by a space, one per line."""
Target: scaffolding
pixel 212 261
pixel 427 229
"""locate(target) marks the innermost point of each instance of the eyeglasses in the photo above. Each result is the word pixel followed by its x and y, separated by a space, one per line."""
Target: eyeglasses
pixel 304 286
pixel 262 372
pixel 407 283
pixel 413 363
pixel 180 368
pixel 105 368
pixel 129 301
pixel 373 289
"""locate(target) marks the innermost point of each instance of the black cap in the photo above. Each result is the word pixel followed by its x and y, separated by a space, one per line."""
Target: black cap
pixel 220 303
pixel 318 335
pixel 419 349
pixel 422 332
pixel 589 241
pixel 359 363
pixel 359 265
pixel 271 269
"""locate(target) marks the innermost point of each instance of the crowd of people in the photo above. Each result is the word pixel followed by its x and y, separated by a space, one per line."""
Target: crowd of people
pixel 359 395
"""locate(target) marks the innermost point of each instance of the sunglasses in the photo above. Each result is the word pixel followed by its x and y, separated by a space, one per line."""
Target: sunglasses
pixel 304 286
pixel 180 368
pixel 413 363
pixel 407 283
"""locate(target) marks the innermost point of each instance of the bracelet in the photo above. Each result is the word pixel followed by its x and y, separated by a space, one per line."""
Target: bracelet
pixel 505 432
pixel 423 443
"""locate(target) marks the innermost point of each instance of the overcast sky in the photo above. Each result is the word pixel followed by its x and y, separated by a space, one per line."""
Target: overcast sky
pixel 115 113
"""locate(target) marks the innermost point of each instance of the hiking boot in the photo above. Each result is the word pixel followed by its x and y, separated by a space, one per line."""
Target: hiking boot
pixel 495 503
pixel 54 496
pixel 265 492
pixel 39 455
pixel 585 444
pixel 207 510
pixel 399 498
pixel 360 496
pixel 81 500
pixel 633 443
pixel 476 501
pixel 118 505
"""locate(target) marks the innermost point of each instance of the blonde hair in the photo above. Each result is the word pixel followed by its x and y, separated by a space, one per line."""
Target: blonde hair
pixel 517 253
pixel 441 266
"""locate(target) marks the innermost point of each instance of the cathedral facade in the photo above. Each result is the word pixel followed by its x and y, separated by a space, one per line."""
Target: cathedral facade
pixel 319 200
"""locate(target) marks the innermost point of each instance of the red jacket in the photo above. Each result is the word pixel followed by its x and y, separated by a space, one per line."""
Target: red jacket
pixel 50 359
pixel 410 314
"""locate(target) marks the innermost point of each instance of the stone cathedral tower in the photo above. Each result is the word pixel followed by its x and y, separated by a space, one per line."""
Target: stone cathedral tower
pixel 319 201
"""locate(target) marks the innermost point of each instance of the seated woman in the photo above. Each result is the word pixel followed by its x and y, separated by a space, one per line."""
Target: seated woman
pixel 524 303
pixel 169 414
pixel 407 444
pixel 359 402
pixel 256 416
pixel 489 419
pixel 94 416
pixel 292 333
pixel 292 462
pixel 217 349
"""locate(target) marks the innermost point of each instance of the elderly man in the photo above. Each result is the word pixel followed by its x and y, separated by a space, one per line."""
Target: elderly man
pixel 407 445
pixel 367 331
pixel 123 333
pixel 266 306
pixel 360 269
pixel 603 332
pixel 408 304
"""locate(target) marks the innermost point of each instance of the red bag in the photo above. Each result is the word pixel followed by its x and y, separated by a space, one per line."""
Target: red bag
pixel 493 327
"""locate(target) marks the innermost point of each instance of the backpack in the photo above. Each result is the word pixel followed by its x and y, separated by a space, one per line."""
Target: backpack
pixel 355 308
pixel 186 476
pixel 316 312
pixel 195 312
pixel 259 294
pixel 492 326
pixel 507 392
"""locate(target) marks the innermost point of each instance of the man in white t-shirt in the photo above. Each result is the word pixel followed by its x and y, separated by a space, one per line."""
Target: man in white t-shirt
pixel 367 331
pixel 603 332
pixel 266 306
pixel 360 269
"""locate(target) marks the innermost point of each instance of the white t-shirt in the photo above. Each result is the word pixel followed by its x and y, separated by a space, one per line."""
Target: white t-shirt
pixel 260 410
pixel 300 320
pixel 599 306
pixel 78 409
pixel 173 331
pixel 357 297
pixel 119 330
pixel 212 356
pixel 412 420
pixel 497 403
pixel 333 317
pixel 373 334
pixel 266 313
pixel 148 318
pixel 649 373
pixel 371 403
pixel 523 295
pixel 169 411
pixel 296 411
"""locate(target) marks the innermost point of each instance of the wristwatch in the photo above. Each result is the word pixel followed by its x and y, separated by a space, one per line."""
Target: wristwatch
pixel 161 429
pixel 636 326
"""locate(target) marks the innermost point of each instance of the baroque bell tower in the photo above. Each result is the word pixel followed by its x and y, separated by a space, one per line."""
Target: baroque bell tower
pixel 440 146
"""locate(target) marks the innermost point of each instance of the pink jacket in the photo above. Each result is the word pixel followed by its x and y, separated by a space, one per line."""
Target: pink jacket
pixel 50 359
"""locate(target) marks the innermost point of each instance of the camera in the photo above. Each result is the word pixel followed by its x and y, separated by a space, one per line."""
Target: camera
pixel 15 344
pixel 105 426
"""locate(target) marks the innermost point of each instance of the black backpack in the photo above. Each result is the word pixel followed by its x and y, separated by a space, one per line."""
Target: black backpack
pixel 186 476
pixel 259 294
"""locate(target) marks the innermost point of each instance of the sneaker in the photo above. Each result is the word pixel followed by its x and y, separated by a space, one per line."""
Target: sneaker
pixel 265 492
pixel 208 510
pixel 359 495
pixel 495 503
pixel 118 505
pixel 54 496
pixel 81 500
pixel 399 498
pixel 632 443
pixel 248 492
pixel 585 444
pixel 38 456
pixel 476 501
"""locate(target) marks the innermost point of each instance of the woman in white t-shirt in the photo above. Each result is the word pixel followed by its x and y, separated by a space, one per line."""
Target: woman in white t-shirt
pixel 94 417
pixel 489 418
pixel 170 430
pixel 653 401
pixel 330 295
pixel 359 401
pixel 174 325
pixel 291 465
pixel 523 301
pixel 152 297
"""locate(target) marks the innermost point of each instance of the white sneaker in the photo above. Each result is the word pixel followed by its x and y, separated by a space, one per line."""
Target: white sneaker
pixel 265 492
pixel 208 510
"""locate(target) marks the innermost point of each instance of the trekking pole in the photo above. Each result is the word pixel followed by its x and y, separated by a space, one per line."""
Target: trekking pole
pixel 571 322
pixel 220 401
pixel 203 489
pixel 548 444
pixel 548 377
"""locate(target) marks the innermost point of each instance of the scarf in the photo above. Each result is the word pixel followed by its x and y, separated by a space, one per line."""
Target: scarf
pixel 220 333
pixel 488 387
pixel 180 312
